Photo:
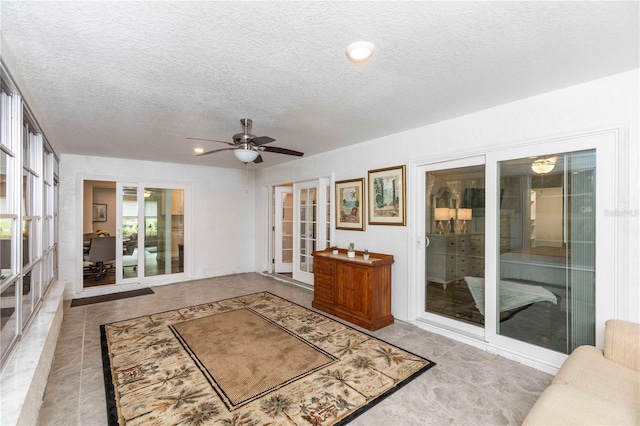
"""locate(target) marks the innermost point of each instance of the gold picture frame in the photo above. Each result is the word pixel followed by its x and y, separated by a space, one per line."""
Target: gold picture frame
pixel 350 204
pixel 387 196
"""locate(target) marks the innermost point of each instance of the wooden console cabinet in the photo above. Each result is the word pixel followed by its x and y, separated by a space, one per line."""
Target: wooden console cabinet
pixel 354 289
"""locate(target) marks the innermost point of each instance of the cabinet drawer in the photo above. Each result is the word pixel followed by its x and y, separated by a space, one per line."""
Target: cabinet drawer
pixel 320 280
pixel 323 294
pixel 478 264
pixel 477 251
pixel 464 241
pixel 322 267
pixel 477 240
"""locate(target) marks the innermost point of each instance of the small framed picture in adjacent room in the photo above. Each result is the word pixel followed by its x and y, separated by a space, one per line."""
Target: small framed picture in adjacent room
pixel 99 213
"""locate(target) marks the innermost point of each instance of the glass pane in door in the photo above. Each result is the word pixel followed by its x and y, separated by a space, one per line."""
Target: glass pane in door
pixel 287 228
pixel 455 219
pixel 327 216
pixel 547 250
pixel 164 231
pixel 307 227
pixel 130 232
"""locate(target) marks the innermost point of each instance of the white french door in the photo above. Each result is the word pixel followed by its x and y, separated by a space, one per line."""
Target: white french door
pixel 311 219
pixel 283 228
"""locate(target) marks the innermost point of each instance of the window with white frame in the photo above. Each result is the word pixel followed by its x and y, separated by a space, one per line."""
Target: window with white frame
pixel 28 216
pixel 9 216
pixel 31 218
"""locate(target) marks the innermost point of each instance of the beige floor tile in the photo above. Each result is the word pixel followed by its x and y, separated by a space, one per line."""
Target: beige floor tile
pixel 468 386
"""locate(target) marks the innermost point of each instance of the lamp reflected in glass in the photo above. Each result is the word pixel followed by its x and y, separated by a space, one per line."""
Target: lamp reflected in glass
pixel 452 220
pixel 440 214
pixel 464 215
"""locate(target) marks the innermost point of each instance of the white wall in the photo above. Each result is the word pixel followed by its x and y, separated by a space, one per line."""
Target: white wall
pixel 608 102
pixel 221 203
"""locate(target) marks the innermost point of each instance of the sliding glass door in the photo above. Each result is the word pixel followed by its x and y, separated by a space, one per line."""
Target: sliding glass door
pixel 452 244
pixel 164 231
pixel 547 262
pixel 454 221
pixel 146 224
pixel 152 225
pixel 517 246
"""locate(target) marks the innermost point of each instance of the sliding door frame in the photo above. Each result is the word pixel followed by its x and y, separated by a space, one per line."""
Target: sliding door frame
pixel 140 281
pixel 606 195
pixel 419 292
pixel 612 188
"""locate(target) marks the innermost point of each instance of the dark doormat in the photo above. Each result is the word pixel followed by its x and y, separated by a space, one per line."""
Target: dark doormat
pixel 109 297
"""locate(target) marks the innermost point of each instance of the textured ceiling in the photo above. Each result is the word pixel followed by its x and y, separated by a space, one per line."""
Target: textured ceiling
pixel 135 79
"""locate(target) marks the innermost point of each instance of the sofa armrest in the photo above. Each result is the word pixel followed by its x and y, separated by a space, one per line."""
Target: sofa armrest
pixel 622 343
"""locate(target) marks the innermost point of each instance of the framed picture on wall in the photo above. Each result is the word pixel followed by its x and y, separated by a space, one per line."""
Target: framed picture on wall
pixel 387 205
pixel 99 213
pixel 350 204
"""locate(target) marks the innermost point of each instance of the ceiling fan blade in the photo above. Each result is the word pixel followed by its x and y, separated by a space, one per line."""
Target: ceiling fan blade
pixel 285 151
pixel 261 140
pixel 212 140
pixel 258 159
pixel 214 151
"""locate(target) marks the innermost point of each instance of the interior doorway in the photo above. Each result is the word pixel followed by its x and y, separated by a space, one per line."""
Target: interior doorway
pixel 301 224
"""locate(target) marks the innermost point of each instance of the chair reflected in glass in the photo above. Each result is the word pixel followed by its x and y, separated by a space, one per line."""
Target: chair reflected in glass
pixel 100 257
pixel 130 255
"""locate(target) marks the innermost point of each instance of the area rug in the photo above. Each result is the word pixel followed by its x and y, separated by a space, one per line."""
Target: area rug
pixel 251 360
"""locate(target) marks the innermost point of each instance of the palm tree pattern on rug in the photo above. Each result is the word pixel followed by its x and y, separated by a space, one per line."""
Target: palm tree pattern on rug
pixel 152 378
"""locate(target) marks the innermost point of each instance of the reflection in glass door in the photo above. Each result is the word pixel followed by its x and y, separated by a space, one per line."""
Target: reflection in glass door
pixel 163 231
pixel 130 232
pixel 454 216
pixel 547 249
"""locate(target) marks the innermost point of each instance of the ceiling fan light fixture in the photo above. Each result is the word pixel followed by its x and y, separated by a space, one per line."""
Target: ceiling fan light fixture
pixel 198 150
pixel 360 51
pixel 245 155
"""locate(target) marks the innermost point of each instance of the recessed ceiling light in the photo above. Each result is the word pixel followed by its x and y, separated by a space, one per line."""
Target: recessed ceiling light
pixel 360 51
pixel 198 150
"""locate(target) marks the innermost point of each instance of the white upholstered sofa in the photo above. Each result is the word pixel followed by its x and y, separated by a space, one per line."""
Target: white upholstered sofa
pixel 595 387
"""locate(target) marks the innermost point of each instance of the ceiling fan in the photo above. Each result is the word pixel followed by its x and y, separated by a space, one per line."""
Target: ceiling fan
pixel 247 147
